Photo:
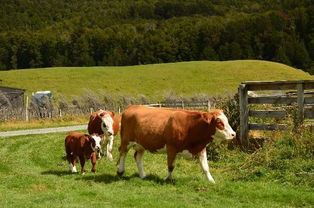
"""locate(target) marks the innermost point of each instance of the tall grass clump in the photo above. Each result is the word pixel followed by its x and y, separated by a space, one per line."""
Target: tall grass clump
pixel 287 159
pixel 286 156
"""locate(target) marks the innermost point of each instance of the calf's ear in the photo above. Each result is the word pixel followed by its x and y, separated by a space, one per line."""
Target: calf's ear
pixel 111 114
pixel 91 140
pixel 87 137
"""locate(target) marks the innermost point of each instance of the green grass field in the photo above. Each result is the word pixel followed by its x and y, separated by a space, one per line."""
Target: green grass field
pixel 33 173
pixel 185 78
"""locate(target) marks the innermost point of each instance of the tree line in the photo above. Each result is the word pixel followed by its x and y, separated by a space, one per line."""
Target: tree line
pixel 42 33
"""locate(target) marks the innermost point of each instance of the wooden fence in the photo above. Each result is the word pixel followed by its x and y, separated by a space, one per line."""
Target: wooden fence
pixel 290 92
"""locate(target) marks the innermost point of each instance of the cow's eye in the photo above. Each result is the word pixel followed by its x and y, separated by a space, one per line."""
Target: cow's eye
pixel 104 125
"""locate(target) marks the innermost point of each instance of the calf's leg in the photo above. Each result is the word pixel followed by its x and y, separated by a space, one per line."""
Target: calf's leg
pixel 82 161
pixel 70 157
pixel 71 160
pixel 202 156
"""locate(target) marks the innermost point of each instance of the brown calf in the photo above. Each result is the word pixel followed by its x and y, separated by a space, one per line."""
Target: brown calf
pixel 83 146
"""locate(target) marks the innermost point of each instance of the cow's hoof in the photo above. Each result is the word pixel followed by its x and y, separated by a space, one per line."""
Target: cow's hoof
pixel 120 173
pixel 169 180
pixel 142 176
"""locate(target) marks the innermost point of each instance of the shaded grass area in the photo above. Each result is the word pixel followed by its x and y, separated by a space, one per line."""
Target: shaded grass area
pixel 33 173
pixel 187 78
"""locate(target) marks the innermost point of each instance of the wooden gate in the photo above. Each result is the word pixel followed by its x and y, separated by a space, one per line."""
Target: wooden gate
pixel 299 94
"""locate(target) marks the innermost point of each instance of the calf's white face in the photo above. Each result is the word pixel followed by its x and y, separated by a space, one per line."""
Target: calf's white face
pixel 107 124
pixel 97 141
pixel 223 129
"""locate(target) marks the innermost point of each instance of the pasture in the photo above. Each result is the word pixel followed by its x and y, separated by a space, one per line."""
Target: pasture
pixel 33 173
pixel 187 78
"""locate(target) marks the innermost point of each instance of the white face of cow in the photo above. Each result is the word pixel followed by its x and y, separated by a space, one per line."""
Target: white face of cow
pixel 223 129
pixel 107 124
pixel 97 141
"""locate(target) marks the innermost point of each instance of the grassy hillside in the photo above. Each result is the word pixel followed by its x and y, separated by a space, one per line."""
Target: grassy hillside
pixel 33 173
pixel 210 77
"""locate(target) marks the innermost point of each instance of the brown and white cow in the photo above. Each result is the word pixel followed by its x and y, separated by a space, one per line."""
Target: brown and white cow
pixel 152 129
pixel 105 123
pixel 83 146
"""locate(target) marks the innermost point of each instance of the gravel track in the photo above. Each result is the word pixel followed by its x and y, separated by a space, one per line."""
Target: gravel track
pixel 42 131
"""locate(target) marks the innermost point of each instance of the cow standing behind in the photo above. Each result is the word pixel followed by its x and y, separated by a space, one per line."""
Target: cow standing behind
pixel 104 123
pixel 152 129
pixel 82 146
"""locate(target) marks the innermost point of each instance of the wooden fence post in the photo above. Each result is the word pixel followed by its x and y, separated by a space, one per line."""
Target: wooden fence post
pixel 208 105
pixel 26 109
pixel 300 92
pixel 244 115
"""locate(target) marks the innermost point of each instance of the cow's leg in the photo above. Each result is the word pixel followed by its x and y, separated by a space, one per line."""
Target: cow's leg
pixel 82 161
pixel 123 149
pixel 202 156
pixel 138 155
pixel 171 156
pixel 109 147
pixel 102 147
pixel 93 160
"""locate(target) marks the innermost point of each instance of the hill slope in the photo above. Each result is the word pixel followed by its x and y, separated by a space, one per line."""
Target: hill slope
pixel 210 77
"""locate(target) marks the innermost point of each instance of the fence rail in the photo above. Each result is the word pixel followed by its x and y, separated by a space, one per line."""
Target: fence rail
pixel 303 99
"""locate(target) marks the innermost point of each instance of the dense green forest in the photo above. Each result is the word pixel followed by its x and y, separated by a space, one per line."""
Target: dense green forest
pixel 45 33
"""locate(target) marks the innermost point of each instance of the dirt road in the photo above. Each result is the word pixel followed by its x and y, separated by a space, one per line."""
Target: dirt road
pixel 42 131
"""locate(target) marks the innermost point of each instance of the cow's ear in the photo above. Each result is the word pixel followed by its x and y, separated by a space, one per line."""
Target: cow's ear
pixel 208 117
pixel 102 114
pixel 112 114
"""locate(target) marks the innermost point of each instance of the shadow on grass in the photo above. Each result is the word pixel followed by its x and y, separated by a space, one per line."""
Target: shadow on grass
pixel 56 172
pixel 158 180
pixel 103 178
pixel 107 178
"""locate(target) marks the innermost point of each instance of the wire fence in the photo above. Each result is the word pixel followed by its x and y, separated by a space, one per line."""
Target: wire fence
pixel 35 111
